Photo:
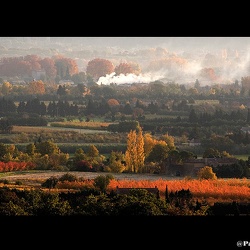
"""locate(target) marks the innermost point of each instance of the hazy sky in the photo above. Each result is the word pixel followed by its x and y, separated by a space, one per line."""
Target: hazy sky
pixel 180 43
pixel 170 42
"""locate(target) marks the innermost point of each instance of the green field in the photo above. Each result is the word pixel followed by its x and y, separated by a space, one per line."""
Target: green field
pixel 242 157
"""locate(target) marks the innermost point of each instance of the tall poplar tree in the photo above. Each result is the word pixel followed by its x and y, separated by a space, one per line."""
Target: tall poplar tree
pixel 130 154
pixel 134 155
pixel 140 151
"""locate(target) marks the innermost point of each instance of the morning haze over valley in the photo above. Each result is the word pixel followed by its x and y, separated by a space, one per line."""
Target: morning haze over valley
pixel 160 124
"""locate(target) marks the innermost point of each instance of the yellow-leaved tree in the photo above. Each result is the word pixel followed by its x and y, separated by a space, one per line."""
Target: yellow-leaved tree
pixel 149 143
pixel 140 150
pixel 134 155
pixel 206 173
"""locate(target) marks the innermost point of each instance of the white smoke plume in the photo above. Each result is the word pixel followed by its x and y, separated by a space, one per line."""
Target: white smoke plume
pixel 129 78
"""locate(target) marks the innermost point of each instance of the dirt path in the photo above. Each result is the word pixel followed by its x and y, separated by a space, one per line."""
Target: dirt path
pixel 37 177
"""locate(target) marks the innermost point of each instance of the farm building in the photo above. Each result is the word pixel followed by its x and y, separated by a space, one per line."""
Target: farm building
pixel 192 166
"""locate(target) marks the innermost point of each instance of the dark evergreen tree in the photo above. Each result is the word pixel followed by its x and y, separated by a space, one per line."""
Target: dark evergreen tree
pixel 248 116
pixel 192 116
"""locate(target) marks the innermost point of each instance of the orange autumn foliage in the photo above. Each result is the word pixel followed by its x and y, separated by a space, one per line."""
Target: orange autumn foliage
pixel 15 166
pixel 36 87
pixel 99 67
pixel 220 189
pixel 124 68
pixel 113 102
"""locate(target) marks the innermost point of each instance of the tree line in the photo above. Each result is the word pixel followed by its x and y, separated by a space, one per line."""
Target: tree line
pixel 57 68
pixel 143 154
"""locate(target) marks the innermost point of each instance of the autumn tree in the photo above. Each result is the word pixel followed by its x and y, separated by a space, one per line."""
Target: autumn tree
pixel 48 65
pixel 30 149
pixel 206 173
pixel 150 142
pixel 6 88
pixel 140 150
pixel 209 74
pixel 15 66
pixel 45 155
pixel 157 150
pixel 47 148
pixel 169 140
pixel 123 68
pixel 58 160
pixel 34 61
pixel 116 162
pixel 134 155
pixel 99 67
pixel 130 154
pixel 92 152
pixel 113 104
pixel 11 153
pixel 127 68
pixel 36 87
pixel 93 156
pixel 79 155
pixel 66 67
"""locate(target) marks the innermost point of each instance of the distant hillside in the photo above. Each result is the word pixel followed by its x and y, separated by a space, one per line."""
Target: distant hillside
pixel 173 43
